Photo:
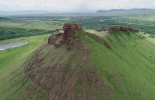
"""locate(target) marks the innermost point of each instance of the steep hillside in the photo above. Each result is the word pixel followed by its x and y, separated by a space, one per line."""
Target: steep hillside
pixel 77 65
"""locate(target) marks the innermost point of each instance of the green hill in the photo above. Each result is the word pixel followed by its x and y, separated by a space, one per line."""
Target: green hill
pixel 128 66
pixel 78 65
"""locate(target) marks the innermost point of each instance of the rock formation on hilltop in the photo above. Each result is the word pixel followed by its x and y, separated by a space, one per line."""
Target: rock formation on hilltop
pixel 69 36
pixel 121 28
pixel 118 28
pixel 69 31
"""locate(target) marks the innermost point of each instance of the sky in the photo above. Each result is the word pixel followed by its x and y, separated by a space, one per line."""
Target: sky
pixel 74 5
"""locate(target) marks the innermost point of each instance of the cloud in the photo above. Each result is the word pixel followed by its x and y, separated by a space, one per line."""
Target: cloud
pixel 74 5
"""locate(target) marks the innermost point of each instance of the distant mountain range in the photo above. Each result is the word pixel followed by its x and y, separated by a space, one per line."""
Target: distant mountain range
pixel 23 12
pixel 126 10
pixel 46 12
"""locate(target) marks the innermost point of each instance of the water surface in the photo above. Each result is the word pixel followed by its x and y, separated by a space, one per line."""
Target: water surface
pixel 11 45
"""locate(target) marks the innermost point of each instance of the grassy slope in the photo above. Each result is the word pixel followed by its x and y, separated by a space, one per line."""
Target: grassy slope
pixel 11 64
pixel 129 66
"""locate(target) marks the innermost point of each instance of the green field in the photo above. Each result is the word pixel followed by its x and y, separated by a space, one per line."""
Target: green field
pixel 12 78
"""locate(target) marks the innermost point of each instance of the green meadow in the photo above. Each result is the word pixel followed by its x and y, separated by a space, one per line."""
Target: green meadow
pixel 12 61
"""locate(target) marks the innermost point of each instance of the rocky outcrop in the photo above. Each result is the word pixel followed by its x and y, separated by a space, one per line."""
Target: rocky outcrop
pixel 69 36
pixel 56 39
pixel 69 31
pixel 121 28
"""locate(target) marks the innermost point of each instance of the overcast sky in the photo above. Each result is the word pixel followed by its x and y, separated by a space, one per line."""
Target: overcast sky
pixel 74 5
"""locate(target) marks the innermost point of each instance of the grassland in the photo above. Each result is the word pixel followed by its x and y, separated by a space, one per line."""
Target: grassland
pixel 12 61
pixel 128 67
